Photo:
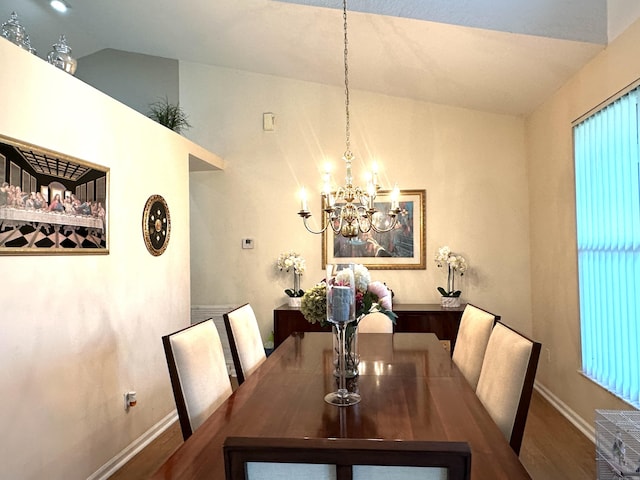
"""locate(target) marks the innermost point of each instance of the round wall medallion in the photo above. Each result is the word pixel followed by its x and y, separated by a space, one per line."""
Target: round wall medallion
pixel 156 225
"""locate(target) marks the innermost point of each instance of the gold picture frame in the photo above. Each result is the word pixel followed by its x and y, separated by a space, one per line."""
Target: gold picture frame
pixel 403 248
pixel 51 203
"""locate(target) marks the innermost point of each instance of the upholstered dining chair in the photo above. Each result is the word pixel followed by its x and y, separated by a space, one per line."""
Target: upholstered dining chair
pixel 375 323
pixel 245 341
pixel 473 335
pixel 344 459
pixel 198 373
pixel 506 380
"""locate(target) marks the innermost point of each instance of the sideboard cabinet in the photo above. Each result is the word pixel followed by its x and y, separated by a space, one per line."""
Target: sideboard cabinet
pixel 412 317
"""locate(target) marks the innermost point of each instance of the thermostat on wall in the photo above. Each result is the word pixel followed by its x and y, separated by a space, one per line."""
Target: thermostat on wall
pixel 247 243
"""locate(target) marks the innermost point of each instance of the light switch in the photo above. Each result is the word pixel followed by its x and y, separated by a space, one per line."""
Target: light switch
pixel 268 122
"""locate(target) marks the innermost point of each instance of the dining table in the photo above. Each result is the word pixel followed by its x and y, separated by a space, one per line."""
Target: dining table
pixel 410 389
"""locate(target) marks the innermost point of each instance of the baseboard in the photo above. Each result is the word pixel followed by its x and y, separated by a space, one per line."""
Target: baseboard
pixel 113 465
pixel 576 420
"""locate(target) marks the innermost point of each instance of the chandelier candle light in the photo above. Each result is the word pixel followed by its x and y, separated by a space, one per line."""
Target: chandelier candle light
pixel 350 209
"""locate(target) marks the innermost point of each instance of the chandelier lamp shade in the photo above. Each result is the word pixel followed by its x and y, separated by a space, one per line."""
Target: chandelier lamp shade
pixel 350 209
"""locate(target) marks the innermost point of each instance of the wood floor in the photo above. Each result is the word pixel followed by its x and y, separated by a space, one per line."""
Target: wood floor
pixel 552 449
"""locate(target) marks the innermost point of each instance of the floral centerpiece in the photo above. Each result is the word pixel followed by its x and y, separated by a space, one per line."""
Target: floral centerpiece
pixel 292 261
pixel 370 297
pixel 456 264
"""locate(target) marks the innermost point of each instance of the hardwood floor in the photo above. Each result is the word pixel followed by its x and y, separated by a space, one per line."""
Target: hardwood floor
pixel 552 449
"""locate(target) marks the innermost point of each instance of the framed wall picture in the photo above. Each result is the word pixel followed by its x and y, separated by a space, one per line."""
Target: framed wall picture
pixel 40 209
pixel 401 248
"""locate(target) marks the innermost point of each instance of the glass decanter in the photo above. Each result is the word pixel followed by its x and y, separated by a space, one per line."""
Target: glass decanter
pixel 61 57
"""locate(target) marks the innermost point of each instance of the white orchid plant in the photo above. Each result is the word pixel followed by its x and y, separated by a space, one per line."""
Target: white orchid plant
pixel 455 264
pixel 288 261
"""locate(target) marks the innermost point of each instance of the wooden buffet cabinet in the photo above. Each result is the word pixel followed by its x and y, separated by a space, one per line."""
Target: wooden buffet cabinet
pixel 412 317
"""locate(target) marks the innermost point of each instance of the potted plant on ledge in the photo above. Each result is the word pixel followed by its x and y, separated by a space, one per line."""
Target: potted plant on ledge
pixel 455 264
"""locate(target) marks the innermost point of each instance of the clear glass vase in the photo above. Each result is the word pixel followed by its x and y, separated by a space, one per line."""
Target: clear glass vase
pixel 352 357
pixel 341 312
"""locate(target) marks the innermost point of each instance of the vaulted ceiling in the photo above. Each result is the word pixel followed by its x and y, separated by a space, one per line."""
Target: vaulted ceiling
pixel 504 56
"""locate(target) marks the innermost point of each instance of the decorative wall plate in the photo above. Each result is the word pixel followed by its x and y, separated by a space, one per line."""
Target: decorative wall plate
pixel 156 225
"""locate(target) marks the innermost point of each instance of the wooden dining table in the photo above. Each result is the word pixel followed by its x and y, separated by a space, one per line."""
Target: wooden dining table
pixel 410 389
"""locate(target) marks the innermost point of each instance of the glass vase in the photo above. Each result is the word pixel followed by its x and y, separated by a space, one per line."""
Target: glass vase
pixel 296 282
pixel 352 357
pixel 341 312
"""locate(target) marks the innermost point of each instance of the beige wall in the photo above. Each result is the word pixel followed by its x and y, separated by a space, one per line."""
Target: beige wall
pixel 553 237
pixel 470 163
pixel 78 331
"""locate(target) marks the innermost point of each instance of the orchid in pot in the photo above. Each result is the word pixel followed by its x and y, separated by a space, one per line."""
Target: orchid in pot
pixel 370 297
pixel 455 264
pixel 292 261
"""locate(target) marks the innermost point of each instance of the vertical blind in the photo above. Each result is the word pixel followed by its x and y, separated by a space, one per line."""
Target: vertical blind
pixel 607 174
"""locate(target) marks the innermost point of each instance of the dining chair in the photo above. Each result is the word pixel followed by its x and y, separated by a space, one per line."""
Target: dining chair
pixel 506 380
pixel 473 335
pixel 245 341
pixel 198 373
pixel 260 458
pixel 376 322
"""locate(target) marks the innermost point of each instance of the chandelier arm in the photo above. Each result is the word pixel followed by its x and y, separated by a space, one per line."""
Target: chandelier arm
pixel 304 220
pixel 385 230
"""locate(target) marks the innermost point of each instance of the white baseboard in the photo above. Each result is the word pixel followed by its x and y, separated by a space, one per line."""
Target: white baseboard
pixel 587 429
pixel 113 465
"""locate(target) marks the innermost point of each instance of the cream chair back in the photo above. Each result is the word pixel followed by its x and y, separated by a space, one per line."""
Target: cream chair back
pixel 506 381
pixel 375 323
pixel 473 335
pixel 198 373
pixel 245 341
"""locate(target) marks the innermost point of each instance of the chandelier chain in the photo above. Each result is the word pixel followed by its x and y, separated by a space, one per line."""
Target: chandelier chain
pixel 350 210
pixel 346 83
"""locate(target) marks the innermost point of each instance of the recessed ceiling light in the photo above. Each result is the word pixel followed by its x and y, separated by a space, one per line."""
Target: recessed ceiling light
pixel 59 6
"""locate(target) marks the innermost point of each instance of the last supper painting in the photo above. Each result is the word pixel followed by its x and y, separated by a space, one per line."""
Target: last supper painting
pixel 51 203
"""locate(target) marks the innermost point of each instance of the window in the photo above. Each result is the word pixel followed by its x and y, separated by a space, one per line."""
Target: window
pixel 607 177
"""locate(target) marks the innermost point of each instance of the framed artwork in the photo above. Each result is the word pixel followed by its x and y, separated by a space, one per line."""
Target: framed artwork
pixel 156 225
pixel 40 209
pixel 401 248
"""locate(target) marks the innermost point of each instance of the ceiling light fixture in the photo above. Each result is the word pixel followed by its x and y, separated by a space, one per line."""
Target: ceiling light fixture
pixel 59 6
pixel 349 209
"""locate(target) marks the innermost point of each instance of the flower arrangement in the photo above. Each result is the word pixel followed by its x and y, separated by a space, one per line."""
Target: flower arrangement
pixel 370 297
pixel 292 261
pixel 455 264
pixel 314 304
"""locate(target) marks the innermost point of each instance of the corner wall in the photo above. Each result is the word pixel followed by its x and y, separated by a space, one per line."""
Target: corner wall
pixel 131 78
pixel 79 330
pixel 554 275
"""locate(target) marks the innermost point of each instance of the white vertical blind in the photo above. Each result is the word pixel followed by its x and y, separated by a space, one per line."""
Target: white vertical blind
pixel 608 228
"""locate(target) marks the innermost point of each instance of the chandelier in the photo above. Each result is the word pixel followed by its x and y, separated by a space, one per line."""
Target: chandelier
pixel 349 209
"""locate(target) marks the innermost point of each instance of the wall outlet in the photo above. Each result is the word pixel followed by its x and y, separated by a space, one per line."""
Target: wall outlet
pixel 130 400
